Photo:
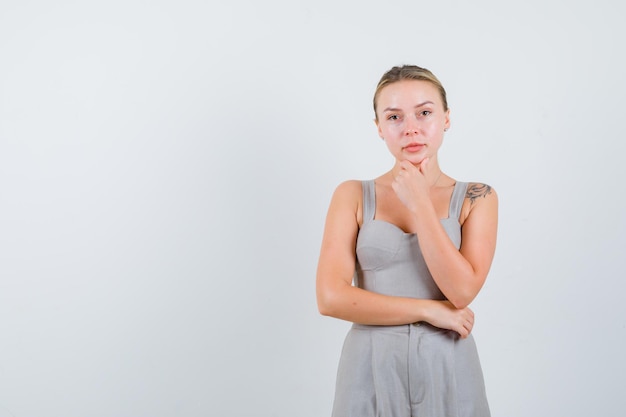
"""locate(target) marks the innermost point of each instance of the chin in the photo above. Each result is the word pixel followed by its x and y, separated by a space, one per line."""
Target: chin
pixel 415 159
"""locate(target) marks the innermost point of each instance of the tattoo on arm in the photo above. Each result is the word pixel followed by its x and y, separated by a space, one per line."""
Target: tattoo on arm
pixel 476 190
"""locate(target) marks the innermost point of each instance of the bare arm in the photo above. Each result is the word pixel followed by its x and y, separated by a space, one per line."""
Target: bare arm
pixel 460 274
pixel 337 297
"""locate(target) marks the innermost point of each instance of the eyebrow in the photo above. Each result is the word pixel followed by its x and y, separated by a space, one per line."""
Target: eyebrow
pixel 415 107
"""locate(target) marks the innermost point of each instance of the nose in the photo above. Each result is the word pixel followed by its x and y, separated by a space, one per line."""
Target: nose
pixel 410 128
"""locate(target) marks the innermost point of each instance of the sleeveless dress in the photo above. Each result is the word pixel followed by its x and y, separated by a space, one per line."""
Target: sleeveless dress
pixel 414 370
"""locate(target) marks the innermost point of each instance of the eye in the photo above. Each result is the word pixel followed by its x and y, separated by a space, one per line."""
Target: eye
pixel 393 117
pixel 425 112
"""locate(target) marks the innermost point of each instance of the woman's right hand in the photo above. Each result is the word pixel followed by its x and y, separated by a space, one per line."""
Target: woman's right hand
pixel 444 315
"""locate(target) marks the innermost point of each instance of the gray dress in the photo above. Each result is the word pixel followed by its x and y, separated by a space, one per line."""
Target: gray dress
pixel 414 370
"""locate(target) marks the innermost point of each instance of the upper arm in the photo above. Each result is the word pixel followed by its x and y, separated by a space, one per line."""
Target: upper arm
pixel 338 251
pixel 479 228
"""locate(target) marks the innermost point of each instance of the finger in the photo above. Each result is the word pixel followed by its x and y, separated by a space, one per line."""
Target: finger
pixel 462 332
pixel 407 166
pixel 424 165
pixel 469 327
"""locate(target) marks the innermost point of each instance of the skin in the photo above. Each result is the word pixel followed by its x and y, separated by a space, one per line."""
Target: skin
pixel 414 195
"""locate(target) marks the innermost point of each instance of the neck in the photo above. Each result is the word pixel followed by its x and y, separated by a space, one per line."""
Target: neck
pixel 436 180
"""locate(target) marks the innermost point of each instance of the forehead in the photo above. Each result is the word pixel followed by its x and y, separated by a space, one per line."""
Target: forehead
pixel 409 92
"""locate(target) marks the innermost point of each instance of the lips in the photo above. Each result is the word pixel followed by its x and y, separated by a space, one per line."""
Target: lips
pixel 414 147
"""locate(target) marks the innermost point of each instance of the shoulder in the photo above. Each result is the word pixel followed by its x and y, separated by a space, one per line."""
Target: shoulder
pixel 350 187
pixel 347 200
pixel 349 191
pixel 345 212
pixel 479 199
pixel 477 191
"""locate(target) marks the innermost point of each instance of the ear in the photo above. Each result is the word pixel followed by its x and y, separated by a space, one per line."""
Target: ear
pixel 446 124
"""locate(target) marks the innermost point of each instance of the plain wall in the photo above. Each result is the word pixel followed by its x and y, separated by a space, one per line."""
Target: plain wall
pixel 165 170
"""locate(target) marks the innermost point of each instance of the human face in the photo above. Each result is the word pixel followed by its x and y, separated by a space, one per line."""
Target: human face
pixel 411 119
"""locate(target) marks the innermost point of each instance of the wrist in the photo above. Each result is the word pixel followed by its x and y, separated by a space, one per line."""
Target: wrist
pixel 424 311
pixel 422 207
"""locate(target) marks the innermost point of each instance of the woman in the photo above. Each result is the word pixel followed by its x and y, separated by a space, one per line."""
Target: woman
pixel 419 245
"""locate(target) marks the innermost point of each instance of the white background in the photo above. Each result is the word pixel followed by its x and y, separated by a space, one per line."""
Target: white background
pixel 166 166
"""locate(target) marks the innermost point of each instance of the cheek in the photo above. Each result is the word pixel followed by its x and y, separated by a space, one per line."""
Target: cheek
pixel 435 129
pixel 393 149
pixel 392 129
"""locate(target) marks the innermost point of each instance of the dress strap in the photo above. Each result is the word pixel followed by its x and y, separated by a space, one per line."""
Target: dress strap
pixel 369 200
pixel 456 202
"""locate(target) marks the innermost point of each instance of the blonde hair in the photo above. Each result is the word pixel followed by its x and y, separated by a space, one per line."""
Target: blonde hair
pixel 409 72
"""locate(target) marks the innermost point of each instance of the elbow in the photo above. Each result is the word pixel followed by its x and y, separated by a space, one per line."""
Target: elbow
pixel 332 296
pixel 463 296
pixel 328 301
pixel 324 304
pixel 459 305
pixel 461 301
pixel 324 310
